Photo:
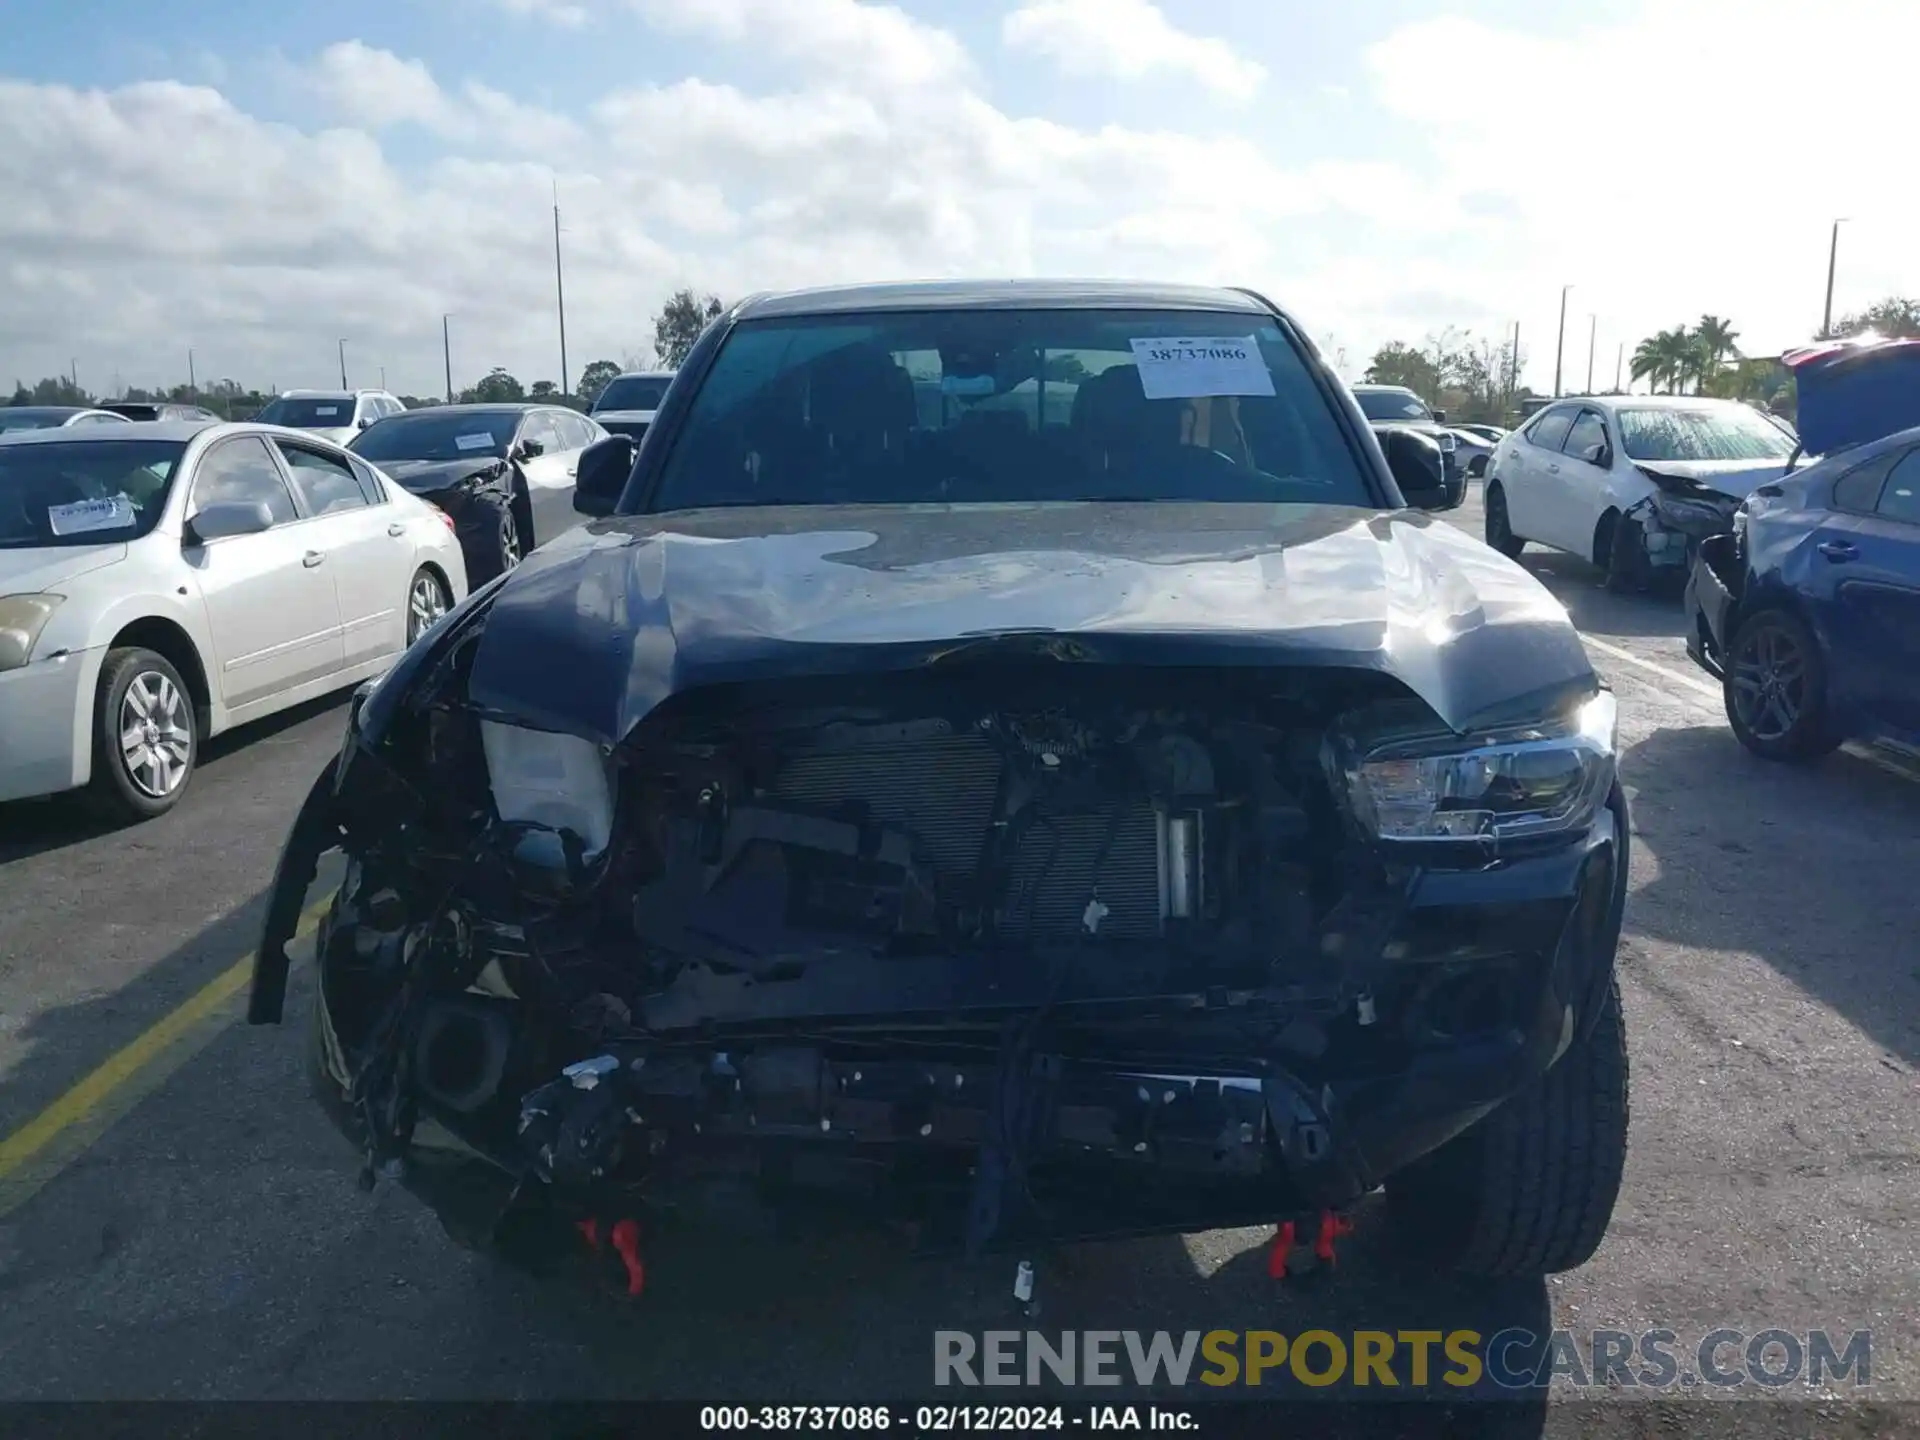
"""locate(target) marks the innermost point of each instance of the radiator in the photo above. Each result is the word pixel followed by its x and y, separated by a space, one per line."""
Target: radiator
pixel 941 791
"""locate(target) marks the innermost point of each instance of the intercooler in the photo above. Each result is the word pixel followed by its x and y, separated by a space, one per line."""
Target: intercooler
pixel 940 789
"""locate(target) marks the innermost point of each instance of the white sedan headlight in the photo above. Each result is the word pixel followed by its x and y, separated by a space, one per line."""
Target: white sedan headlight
pixel 1541 780
pixel 22 618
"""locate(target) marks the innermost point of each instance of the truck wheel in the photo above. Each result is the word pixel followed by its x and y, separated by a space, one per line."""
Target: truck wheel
pixel 1776 688
pixel 1530 1189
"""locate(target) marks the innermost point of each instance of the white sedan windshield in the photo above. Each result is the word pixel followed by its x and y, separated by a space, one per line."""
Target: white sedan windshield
pixel 1679 435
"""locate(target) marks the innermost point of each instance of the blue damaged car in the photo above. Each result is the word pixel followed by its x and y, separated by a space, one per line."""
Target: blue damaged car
pixel 1808 612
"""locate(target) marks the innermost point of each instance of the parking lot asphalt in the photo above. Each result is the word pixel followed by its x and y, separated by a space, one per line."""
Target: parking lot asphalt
pixel 186 1225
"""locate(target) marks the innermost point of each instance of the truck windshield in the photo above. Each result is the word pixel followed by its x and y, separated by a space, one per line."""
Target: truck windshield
pixel 979 405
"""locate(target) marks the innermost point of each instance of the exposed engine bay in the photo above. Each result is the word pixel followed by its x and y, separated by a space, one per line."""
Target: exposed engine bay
pixel 994 952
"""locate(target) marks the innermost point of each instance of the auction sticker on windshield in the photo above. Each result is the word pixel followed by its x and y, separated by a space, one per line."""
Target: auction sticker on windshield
pixel 1187 367
pixel 473 442
pixel 82 516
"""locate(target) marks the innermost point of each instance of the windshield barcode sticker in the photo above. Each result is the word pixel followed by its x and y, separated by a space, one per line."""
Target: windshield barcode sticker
pixel 473 442
pixel 1189 367
pixel 83 516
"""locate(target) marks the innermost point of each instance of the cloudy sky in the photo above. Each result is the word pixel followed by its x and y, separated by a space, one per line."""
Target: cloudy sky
pixel 258 182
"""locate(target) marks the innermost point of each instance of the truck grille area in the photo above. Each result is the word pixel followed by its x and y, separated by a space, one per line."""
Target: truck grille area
pixel 941 791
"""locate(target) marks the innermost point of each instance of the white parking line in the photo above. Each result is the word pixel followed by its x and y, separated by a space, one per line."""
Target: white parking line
pixel 1692 682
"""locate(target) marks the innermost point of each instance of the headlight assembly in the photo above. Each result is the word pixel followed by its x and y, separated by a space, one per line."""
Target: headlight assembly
pixel 1407 784
pixel 22 618
pixel 557 783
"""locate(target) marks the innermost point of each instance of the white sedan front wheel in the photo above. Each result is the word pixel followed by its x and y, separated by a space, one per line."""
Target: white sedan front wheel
pixel 427 603
pixel 146 736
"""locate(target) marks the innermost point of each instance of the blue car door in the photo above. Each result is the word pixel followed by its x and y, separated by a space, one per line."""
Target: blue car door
pixel 1871 551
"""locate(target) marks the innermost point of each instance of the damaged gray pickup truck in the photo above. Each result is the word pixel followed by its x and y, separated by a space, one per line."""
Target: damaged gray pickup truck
pixel 1007 764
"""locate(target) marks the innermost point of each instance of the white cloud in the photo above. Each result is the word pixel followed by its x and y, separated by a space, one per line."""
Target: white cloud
pixel 876 45
pixel 560 12
pixel 375 89
pixel 138 221
pixel 1127 40
pixel 1659 197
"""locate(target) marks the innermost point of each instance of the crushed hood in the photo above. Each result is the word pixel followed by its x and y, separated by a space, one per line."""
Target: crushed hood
pixel 424 477
pixel 593 631
pixel 1853 392
pixel 1731 479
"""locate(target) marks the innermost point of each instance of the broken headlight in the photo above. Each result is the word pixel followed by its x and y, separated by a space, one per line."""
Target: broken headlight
pixel 1407 783
pixel 1690 513
pixel 555 786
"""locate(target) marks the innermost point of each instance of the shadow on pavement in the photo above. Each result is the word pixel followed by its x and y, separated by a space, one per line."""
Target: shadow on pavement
pixel 34 827
pixel 1597 610
pixel 1748 850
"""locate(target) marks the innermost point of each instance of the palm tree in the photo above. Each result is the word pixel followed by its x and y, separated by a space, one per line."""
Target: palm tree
pixel 1648 363
pixel 1717 337
pixel 1680 360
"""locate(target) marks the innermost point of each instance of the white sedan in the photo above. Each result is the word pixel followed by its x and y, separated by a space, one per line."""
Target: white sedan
pixel 1579 475
pixel 162 582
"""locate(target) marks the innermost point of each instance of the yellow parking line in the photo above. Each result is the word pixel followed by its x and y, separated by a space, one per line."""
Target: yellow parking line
pixel 53 1139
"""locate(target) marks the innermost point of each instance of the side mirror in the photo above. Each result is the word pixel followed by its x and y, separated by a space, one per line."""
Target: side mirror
pixel 602 475
pixel 228 518
pixel 1599 453
pixel 364 421
pixel 528 449
pixel 1440 417
pixel 1419 469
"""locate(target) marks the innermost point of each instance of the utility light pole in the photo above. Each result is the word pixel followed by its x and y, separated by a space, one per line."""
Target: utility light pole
pixel 193 384
pixel 559 287
pixel 1593 334
pixel 1833 254
pixel 343 364
pixel 1619 360
pixel 446 350
pixel 1560 346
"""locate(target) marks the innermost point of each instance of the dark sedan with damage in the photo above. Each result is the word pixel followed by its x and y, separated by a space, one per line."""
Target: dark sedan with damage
pixel 1808 608
pixel 503 472
pixel 1008 822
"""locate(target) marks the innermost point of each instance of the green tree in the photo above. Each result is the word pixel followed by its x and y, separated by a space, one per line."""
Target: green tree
pixel 544 390
pixel 679 323
pixel 1896 317
pixel 498 386
pixel 1397 363
pixel 596 377
pixel 53 390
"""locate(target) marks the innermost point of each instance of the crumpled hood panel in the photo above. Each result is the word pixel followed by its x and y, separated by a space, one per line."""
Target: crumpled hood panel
pixel 424 477
pixel 596 629
pixel 1735 479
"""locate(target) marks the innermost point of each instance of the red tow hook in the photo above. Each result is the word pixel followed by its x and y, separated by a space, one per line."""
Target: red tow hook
pixel 624 1237
pixel 626 1241
pixel 1333 1226
pixel 1278 1251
